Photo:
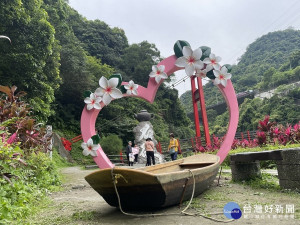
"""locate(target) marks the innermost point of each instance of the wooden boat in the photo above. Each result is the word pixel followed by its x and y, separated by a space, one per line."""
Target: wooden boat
pixel 156 186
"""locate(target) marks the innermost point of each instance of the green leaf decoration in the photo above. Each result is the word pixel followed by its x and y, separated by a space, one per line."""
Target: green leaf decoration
pixel 178 46
pixel 119 76
pixel 96 139
pixel 229 67
pixel 210 74
pixel 87 94
pixel 205 52
pixel 123 89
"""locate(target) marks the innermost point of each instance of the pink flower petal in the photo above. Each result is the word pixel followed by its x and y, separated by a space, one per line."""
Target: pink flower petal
pixel 106 99
pixel 113 82
pixel 190 69
pixel 187 51
pixel 103 82
pixel 154 69
pixel 157 79
pixel 116 93
pixel 197 53
pixel 198 65
pixel 181 62
pixel 207 61
pixel 93 153
pixel 100 91
pixel 161 68
pixel 152 74
pixel 97 106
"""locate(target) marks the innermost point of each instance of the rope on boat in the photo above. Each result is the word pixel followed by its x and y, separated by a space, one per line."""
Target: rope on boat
pixel 116 176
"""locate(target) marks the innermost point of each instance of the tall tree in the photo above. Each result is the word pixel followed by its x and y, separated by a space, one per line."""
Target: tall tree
pixel 31 62
pixel 78 70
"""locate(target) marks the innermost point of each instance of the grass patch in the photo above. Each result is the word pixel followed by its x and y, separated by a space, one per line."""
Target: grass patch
pixel 216 196
pixel 266 181
pixel 59 161
pixel 84 215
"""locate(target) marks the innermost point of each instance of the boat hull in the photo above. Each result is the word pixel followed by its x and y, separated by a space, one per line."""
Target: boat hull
pixel 156 186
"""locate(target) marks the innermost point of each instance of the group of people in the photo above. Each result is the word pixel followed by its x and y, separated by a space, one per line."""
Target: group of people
pixel 133 152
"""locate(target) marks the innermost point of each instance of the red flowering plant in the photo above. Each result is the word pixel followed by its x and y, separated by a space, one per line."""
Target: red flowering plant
pixel 216 142
pixel 261 138
pixel 15 120
pixel 264 130
pixel 269 132
pixel 296 132
pixel 265 125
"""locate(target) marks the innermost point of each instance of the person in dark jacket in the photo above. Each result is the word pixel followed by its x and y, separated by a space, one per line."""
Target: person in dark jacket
pixel 128 151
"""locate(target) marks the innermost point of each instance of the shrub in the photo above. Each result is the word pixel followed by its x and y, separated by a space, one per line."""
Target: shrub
pixel 26 172
pixel 15 118
pixel 111 144
pixel 23 185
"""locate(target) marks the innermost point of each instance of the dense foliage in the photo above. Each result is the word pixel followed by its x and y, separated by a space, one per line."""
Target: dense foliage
pixel 26 171
pixel 111 144
pixel 68 55
pixel 31 62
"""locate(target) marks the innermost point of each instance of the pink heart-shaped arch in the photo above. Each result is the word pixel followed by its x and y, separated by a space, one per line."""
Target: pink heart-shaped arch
pixel 88 117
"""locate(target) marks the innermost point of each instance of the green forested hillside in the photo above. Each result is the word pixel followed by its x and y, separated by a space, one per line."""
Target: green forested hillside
pixel 272 61
pixel 269 51
pixel 56 54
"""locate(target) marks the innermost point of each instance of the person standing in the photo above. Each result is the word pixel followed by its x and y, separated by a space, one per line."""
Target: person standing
pixel 131 159
pixel 135 151
pixel 128 151
pixel 173 147
pixel 149 146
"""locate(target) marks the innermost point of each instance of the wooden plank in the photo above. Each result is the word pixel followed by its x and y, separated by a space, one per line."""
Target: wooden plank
pixel 252 156
pixel 195 163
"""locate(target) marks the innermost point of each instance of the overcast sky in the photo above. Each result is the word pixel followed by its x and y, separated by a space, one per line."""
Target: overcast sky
pixel 227 26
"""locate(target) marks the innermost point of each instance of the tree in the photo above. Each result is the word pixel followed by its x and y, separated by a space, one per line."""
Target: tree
pixel 79 71
pixel 31 62
pixel 138 60
pixel 98 39
pixel 111 145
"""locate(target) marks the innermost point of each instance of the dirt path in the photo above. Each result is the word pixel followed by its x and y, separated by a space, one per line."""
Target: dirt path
pixel 78 203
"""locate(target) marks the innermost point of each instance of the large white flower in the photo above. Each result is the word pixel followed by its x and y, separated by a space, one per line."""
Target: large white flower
pixel 201 73
pixel 93 101
pixel 190 60
pixel 221 76
pixel 212 62
pixel 108 90
pixel 158 73
pixel 131 88
pixel 89 148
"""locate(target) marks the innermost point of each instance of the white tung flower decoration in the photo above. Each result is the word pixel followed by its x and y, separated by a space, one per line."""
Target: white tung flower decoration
pixel 190 60
pixel 201 73
pixel 212 62
pixel 221 76
pixel 93 102
pixel 89 148
pixel 158 73
pixel 131 88
pixel 108 90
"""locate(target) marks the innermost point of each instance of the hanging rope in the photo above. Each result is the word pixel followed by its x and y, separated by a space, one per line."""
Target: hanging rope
pixel 115 178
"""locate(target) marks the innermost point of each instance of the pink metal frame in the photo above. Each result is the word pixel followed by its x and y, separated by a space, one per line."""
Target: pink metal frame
pixel 88 117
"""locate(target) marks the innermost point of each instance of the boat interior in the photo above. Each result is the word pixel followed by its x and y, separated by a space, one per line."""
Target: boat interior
pixel 192 162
